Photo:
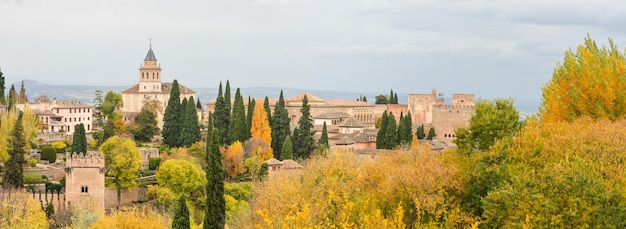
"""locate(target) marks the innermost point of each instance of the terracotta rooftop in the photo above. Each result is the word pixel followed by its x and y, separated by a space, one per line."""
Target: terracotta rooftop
pixel 165 89
pixel 291 164
pixel 351 122
pixel 333 115
pixel 310 97
pixel 273 161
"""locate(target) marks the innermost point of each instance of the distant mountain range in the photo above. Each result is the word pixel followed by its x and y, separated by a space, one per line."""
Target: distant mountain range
pixel 85 93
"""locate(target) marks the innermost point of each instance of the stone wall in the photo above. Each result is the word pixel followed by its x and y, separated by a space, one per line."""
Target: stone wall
pixel 128 196
pixel 446 119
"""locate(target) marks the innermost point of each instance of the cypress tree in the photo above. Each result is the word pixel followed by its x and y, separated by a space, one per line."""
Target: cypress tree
pixel 215 210
pixel 364 99
pixel 191 128
pixel 303 140
pixel 431 133
pixel 238 122
pixel 391 137
pixel 401 129
pixel 380 136
pixel 222 118
pixel 14 171
pixel 395 98
pixel 22 96
pixel 406 134
pixel 12 98
pixel 181 214
pixel 251 105
pixel 172 120
pixel 2 96
pixel 390 101
pixel 227 95
pixel 79 140
pixel 198 104
pixel 324 138
pixel 420 132
pixel 287 149
pixel 280 125
pixel 266 106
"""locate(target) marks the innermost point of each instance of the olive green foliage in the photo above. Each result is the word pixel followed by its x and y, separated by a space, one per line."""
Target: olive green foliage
pixel 280 126
pixel 182 177
pixel 381 99
pixel 14 167
pixel 324 138
pixel 154 162
pixel 431 133
pixel 145 126
pixel 181 215
pixel 420 132
pixel 79 140
pixel 303 138
pixel 287 149
pixel 215 210
pixel 222 117
pixel 172 119
pixel 48 153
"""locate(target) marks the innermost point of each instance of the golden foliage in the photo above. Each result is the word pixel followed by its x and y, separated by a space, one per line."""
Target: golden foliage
pixel 21 210
pixel 347 190
pixel 590 82
pixel 7 121
pixel 233 159
pixel 133 218
pixel 260 126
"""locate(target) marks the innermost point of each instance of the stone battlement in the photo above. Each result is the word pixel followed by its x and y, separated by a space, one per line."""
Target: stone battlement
pixel 444 106
pixel 92 159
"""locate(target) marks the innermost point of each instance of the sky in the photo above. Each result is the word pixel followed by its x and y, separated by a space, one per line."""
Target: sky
pixel 491 48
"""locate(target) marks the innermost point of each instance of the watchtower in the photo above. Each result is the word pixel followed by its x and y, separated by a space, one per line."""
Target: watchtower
pixel 84 178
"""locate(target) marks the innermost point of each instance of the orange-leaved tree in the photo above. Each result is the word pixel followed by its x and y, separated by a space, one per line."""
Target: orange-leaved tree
pixel 233 159
pixel 260 128
pixel 590 82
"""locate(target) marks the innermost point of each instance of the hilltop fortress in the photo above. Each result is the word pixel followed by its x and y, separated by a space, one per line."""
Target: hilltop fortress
pixel 352 123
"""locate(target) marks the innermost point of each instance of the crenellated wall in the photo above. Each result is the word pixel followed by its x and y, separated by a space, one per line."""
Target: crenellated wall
pixel 85 178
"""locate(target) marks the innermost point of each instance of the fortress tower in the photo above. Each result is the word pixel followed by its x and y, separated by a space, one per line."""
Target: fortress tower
pixel 84 178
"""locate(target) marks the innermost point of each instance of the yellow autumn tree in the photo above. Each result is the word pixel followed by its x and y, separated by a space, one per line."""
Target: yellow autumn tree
pixel 260 128
pixel 21 210
pixel 30 122
pixel 132 218
pixel 590 82
pixel 233 159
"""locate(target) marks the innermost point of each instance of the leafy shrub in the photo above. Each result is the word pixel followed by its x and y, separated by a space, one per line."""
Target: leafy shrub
pixel 49 153
pixel 33 162
pixel 145 173
pixel 33 178
pixel 153 163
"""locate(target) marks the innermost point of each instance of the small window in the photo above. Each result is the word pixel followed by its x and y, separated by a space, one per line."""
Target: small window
pixel 84 189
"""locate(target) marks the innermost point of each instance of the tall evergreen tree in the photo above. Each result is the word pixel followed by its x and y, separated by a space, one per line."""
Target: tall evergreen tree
pixel 249 114
pixel 190 131
pixel 266 106
pixel 79 140
pixel 390 101
pixel 431 133
pixel 324 138
pixel 381 142
pixel 14 171
pixel 222 118
pixel 303 140
pixel 227 95
pixel 215 210
pixel 280 126
pixel 198 104
pixel 12 98
pixel 2 95
pixel 391 133
pixel 405 130
pixel 181 214
pixel 172 120
pixel 420 132
pixel 238 122
pixel 287 149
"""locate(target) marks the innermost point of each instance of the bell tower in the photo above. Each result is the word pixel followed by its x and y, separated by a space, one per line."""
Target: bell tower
pixel 150 73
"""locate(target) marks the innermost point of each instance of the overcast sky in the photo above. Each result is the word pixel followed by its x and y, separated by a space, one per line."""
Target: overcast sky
pixel 492 48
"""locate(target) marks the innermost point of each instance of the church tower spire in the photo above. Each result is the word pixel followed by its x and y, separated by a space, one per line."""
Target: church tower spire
pixel 150 73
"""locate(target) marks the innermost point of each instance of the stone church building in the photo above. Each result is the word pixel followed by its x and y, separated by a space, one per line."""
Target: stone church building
pixel 149 88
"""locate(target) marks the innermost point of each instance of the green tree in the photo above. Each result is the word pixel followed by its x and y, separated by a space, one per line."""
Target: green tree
pixel 364 99
pixel 391 98
pixel 181 215
pixel 215 211
pixel 222 117
pixel 198 104
pixel 405 133
pixel 493 120
pixel 172 120
pixel 14 171
pixel 303 139
pixel 12 98
pixel 97 109
pixel 421 134
pixel 590 82
pixel 266 106
pixel 227 95
pixel 145 126
pixel 181 177
pixel 22 97
pixel 2 95
pixel 48 153
pixel 190 131
pixel 79 140
pixel 381 136
pixel 112 102
pixel 280 126
pixel 391 132
pixel 238 121
pixel 122 161
pixel 382 99
pixel 431 133
pixel 249 115
pixel 287 149
pixel 323 142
